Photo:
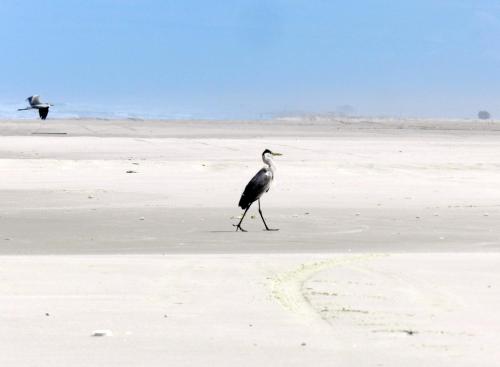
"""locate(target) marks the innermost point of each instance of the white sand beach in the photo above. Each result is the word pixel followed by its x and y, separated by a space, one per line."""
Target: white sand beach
pixel 387 254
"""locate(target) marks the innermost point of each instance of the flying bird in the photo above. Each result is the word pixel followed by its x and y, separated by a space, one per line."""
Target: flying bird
pixel 35 104
pixel 258 185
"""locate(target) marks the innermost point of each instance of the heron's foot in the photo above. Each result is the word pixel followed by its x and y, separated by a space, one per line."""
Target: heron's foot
pixel 239 227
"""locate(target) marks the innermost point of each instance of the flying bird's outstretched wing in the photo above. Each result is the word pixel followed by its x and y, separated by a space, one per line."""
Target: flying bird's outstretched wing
pixel 34 100
pixel 43 112
pixel 257 186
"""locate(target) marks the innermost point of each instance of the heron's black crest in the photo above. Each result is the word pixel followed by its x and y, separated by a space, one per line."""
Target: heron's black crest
pixel 266 151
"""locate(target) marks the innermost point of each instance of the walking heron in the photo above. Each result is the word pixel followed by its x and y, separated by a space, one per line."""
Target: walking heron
pixel 258 185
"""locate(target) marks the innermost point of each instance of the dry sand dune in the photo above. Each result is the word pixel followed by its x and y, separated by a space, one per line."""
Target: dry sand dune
pixel 387 253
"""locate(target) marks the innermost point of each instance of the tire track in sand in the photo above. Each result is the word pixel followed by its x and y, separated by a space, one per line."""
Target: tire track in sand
pixel 287 287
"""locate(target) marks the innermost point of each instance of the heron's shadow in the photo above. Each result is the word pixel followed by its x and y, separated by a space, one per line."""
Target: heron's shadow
pixel 233 231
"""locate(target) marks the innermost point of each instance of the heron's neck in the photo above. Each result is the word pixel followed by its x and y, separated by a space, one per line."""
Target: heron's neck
pixel 270 164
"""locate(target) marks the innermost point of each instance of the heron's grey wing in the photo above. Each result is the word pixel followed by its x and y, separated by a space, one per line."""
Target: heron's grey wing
pixel 34 100
pixel 43 112
pixel 258 185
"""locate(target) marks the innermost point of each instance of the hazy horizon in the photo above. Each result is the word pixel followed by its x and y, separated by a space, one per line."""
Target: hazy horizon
pixel 246 59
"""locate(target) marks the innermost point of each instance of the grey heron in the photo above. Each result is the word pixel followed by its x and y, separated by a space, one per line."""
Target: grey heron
pixel 35 104
pixel 258 185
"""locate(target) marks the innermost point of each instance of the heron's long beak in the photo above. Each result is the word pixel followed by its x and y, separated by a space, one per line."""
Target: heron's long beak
pixel 276 153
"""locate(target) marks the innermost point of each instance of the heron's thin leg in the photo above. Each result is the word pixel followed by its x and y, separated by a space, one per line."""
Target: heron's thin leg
pixel 238 226
pixel 265 224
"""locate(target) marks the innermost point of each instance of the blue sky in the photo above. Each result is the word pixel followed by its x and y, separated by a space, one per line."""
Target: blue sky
pixel 245 58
